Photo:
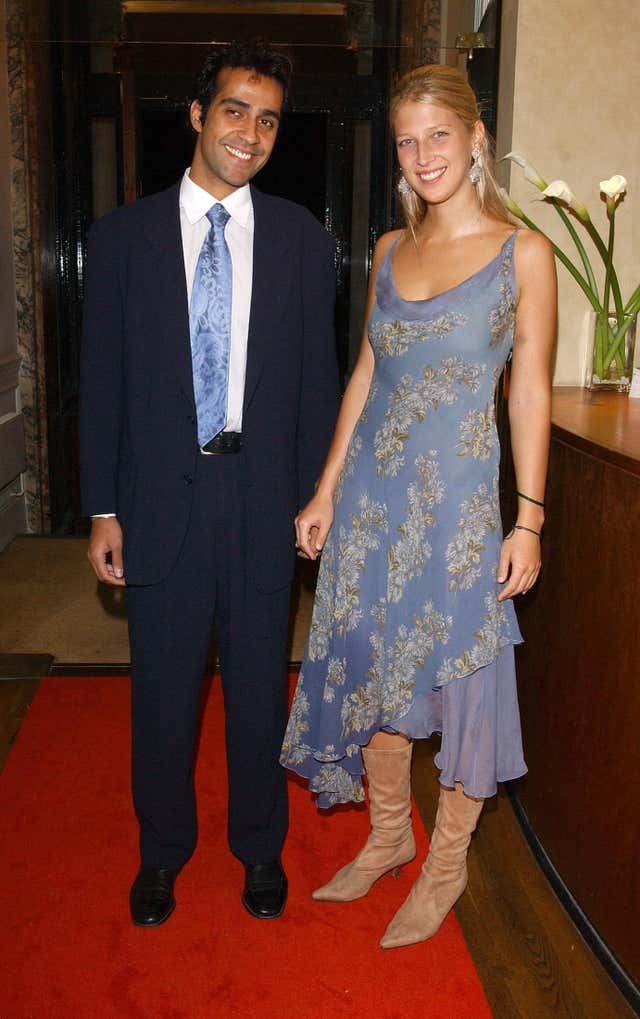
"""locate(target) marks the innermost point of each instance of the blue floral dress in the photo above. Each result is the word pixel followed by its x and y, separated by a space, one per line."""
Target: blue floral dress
pixel 407 633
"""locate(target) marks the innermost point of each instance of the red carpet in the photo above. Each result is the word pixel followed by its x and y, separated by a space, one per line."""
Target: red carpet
pixel 68 856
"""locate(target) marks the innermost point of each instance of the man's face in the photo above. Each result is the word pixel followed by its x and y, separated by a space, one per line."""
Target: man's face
pixel 239 131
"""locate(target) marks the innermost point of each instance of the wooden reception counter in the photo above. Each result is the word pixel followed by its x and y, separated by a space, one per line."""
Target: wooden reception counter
pixel 579 669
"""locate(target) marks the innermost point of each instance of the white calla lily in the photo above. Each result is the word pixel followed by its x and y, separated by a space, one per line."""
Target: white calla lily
pixel 615 186
pixel 561 190
pixel 612 353
pixel 530 172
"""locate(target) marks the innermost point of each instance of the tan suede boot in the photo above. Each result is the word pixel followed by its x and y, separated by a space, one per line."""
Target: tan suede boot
pixel 391 842
pixel 444 874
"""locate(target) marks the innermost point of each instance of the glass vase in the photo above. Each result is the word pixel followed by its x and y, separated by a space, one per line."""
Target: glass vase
pixel 611 353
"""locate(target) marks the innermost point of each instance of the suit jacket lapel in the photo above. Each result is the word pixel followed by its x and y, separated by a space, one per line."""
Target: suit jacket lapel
pixel 270 267
pixel 164 234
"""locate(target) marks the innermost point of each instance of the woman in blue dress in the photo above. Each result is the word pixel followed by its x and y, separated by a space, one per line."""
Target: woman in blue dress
pixel 413 625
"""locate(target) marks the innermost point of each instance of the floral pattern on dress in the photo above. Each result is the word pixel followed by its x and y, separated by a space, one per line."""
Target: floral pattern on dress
pixel 393 339
pixel 477 433
pixel 487 646
pixel 502 317
pixel 354 546
pixel 410 401
pixel 478 514
pixel 389 691
pixel 406 558
pixel 336 671
pixel 294 749
pixel 322 619
pixel 411 648
pixel 337 785
pixel 338 588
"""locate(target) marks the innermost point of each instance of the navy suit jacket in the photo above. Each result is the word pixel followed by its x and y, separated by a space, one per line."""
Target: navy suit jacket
pixel 138 440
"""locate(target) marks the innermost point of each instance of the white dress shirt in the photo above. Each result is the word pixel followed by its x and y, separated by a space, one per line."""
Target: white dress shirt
pixel 195 202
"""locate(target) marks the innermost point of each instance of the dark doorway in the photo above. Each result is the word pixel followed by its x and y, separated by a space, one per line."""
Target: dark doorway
pixel 297 169
pixel 164 147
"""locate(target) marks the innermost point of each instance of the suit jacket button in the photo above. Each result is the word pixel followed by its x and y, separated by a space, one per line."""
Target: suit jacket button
pixel 187 479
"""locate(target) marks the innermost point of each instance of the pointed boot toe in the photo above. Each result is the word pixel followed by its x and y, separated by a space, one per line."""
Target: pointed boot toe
pixel 391 843
pixel 397 935
pixel 443 878
pixel 348 884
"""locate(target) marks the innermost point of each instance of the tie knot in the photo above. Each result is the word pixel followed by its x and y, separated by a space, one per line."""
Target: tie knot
pixel 218 215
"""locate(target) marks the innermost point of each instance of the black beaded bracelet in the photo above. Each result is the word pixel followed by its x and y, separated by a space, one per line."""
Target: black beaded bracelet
pixel 536 502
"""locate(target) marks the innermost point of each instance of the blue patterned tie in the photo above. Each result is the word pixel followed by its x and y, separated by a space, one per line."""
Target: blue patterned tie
pixel 210 327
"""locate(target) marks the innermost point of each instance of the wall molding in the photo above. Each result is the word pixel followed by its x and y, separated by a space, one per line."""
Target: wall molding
pixel 13 520
pixel 12 452
pixel 9 372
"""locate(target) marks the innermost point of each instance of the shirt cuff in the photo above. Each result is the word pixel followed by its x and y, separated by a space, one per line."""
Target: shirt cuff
pixel 101 516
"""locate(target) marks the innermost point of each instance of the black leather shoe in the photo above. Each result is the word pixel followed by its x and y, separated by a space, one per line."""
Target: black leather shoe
pixel 265 890
pixel 151 899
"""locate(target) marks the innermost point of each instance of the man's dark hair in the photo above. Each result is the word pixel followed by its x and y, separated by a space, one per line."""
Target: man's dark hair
pixel 254 55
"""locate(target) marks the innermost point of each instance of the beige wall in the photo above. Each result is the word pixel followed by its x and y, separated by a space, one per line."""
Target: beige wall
pixel 570 100
pixel 12 447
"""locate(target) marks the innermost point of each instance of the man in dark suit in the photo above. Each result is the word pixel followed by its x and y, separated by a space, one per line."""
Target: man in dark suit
pixel 209 393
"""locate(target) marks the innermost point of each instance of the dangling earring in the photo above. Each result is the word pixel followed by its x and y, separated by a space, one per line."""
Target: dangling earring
pixel 404 187
pixel 475 173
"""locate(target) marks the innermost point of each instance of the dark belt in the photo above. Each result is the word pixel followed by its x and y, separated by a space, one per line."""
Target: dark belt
pixel 223 442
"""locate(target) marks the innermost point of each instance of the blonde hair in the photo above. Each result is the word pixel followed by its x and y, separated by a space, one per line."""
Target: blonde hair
pixel 446 86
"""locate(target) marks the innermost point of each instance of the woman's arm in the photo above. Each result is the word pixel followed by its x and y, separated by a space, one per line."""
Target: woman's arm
pixel 314 521
pixel 530 407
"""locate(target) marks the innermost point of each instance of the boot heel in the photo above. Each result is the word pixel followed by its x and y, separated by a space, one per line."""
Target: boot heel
pixel 391 837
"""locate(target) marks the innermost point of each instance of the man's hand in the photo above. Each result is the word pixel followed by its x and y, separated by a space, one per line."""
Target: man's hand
pixel 105 538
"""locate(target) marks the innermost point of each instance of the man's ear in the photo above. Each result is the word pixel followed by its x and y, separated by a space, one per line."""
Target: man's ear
pixel 195 116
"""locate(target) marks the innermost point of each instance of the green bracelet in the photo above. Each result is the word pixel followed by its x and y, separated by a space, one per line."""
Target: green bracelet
pixel 536 502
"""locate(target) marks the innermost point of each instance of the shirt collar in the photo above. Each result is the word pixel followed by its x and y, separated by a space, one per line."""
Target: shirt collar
pixel 196 202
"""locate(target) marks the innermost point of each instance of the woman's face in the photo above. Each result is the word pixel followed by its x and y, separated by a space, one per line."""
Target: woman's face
pixel 434 149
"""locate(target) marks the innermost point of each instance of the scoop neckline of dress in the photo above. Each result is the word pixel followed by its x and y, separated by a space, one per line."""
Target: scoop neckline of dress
pixel 449 290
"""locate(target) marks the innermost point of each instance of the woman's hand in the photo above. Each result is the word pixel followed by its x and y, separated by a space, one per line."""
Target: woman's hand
pixel 519 564
pixel 313 524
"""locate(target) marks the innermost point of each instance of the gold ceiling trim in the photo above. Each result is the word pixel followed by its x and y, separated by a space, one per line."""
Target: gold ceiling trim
pixel 233 7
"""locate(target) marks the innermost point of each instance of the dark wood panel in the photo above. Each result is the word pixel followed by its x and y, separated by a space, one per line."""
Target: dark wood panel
pixel 580 697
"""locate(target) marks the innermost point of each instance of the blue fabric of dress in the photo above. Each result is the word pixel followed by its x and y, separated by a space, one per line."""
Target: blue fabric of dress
pixel 407 634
